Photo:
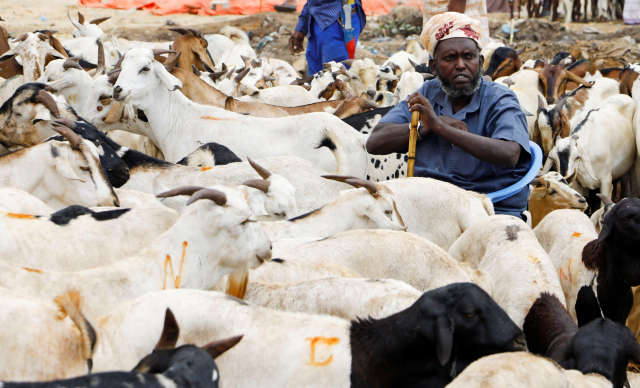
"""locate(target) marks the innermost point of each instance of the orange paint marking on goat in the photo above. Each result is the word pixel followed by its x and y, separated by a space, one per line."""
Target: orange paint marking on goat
pixel 23 216
pixel 205 168
pixel 210 118
pixel 314 341
pixel 32 270
pixel 576 234
pixel 168 264
pixel 534 259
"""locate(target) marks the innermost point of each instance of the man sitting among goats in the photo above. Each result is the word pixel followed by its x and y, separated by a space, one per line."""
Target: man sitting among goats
pixel 472 132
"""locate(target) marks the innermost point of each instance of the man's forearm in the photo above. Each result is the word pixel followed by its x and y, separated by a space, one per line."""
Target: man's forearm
pixel 388 138
pixel 495 151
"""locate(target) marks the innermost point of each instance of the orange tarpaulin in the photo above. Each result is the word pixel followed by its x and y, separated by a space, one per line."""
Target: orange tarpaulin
pixel 236 7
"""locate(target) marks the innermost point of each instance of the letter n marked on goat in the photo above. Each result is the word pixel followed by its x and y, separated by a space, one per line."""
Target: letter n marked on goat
pixel 314 341
pixel 168 264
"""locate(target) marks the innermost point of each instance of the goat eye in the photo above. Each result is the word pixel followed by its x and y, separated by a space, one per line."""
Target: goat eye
pixel 469 315
pixel 388 212
pixel 146 68
pixel 552 192
pixel 248 220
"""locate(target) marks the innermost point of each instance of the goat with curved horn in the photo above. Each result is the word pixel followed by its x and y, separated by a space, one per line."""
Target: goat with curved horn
pixel 100 20
pixel 101 68
pixel 263 172
pixel 216 196
pixel 260 184
pixel 47 100
pixel 64 128
pixel 71 63
pixel 182 190
pixel 371 187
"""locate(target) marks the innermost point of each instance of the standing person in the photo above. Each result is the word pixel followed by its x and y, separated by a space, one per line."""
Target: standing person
pixel 472 132
pixel 326 24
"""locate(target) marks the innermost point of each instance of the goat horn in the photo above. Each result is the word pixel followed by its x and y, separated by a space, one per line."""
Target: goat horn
pixel 47 100
pixel 101 63
pixel 207 68
pixel 80 18
pixel 157 52
pixel 355 182
pixel 182 190
pixel 242 74
pixel 74 139
pixel 75 23
pixel 260 184
pixel 339 178
pixel 216 196
pixel 113 76
pixel 371 187
pixel 263 172
pixel 99 20
pixel 71 64
pixel 65 122
pixel 170 332
pixel 179 30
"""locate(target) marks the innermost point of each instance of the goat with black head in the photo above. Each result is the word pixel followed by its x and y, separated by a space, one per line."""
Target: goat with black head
pixel 432 341
pixel 602 346
pixel 614 255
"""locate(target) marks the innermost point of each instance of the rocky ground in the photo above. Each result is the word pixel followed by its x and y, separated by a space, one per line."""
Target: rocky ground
pixel 383 35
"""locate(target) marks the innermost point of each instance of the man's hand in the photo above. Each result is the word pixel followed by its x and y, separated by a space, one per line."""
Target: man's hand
pixel 455 123
pixel 295 42
pixel 418 102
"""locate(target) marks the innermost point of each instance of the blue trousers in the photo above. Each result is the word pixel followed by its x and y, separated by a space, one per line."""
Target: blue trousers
pixel 328 44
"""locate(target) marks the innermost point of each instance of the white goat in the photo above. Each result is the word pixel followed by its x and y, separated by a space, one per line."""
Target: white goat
pixel 506 247
pixel 385 254
pixel 21 202
pixel 211 238
pixel 147 84
pixel 347 298
pixel 368 207
pixel 60 174
pixel 601 149
pixel 35 242
pixel 563 234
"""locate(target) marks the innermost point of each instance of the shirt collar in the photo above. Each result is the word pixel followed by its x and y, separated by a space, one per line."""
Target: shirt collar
pixel 442 100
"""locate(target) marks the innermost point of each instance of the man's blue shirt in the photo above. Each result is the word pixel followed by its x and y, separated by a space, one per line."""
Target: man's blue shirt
pixel 324 13
pixel 493 112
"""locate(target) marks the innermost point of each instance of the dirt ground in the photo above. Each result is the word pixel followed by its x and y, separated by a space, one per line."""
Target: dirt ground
pixel 269 32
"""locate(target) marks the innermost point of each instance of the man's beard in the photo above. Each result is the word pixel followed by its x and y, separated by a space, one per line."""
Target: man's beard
pixel 454 92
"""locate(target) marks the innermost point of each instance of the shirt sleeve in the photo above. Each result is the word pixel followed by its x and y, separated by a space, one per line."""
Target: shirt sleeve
pixel 303 19
pixel 400 113
pixel 508 121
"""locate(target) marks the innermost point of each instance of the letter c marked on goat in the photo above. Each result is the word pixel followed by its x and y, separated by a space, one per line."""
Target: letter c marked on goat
pixel 314 341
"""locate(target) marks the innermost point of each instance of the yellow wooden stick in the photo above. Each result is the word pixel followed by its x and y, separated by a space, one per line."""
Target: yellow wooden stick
pixel 413 139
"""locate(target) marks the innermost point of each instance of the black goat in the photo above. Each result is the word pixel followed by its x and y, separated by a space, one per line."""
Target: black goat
pixel 166 366
pixel 548 327
pixel 614 256
pixel 361 122
pixel 432 341
pixel 602 346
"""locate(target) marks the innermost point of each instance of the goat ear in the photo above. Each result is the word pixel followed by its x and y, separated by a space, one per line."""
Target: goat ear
pixel 7 55
pixel 216 348
pixel 444 339
pixel 171 82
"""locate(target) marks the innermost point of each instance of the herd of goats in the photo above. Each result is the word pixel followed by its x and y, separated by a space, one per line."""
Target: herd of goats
pixel 165 204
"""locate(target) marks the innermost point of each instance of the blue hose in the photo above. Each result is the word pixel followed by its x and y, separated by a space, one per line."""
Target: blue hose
pixel 508 191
